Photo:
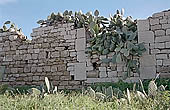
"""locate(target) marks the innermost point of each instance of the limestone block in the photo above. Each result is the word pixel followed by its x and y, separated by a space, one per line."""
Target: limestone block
pixel 162 39
pixel 64 53
pixel 27 56
pixel 156 27
pixel 80 44
pixel 165 26
pixel 66 78
pixel 22 47
pixel 54 68
pixel 146 37
pixel 159 45
pixel 62 31
pixel 81 33
pixel 74 82
pixel 159 14
pixel 112 74
pixel 16 75
pixel 8 58
pixel 70 68
pixel 164 21
pixel 147 60
pixel 46 68
pixel 63 83
pixel 143 25
pixel 92 74
pixel 90 68
pixel 81 56
pixel 102 74
pixel 154 21
pixel 102 68
pixel 27 69
pixel 165 51
pixel 13 37
pixel 159 62
pixel 0 38
pixel 165 75
pixel 159 33
pixel 155 51
pixel 163 69
pixel 168 32
pixel 55 54
pixel 147 72
pixel 62 67
pixel 42 55
pixel 14 70
pixel 169 20
pixel 35 78
pixel 167 13
pixel 73 54
pixel 166 62
pixel 33 69
pixel 88 62
pixel 67 37
pixel 36 50
pixel 39 69
pixel 55 30
pixel 132 79
pixel 72 72
pixel 59 48
pixel 45 45
pixel 73 32
pixel 70 64
pixel 119 68
pixel 161 56
pixel 80 71
pixel 167 44
pixel 95 80
pixel 34 56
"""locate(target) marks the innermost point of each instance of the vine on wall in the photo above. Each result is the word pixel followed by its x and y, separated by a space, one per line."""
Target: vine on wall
pixel 115 34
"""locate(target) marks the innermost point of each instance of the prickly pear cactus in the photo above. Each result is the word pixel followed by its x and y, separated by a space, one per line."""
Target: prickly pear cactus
pixel 116 35
pixel 91 92
pixel 47 84
pixel 152 88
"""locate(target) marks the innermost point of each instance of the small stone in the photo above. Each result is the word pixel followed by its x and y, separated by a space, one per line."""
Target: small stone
pixel 168 32
pixel 102 74
pixel 102 68
pixel 154 21
pixel 161 56
pixel 167 44
pixel 159 14
pixel 35 78
pixel 165 26
pixel 112 74
pixel 159 33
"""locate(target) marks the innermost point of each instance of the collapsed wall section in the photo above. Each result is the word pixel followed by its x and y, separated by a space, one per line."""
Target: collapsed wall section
pixel 54 52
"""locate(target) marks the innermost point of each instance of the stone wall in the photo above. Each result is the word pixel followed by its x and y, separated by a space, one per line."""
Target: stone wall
pixel 51 53
pixel 58 52
pixel 155 33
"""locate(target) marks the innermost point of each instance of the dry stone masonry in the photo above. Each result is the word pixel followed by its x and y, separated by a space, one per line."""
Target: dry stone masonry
pixel 155 33
pixel 58 52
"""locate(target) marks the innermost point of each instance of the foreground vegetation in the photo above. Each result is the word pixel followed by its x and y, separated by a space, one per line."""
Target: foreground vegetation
pixel 106 96
pixel 79 101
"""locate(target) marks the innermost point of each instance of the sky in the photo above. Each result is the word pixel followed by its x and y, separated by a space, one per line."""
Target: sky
pixel 25 13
